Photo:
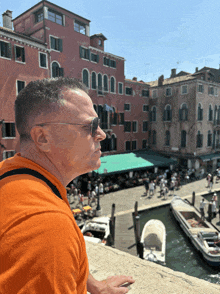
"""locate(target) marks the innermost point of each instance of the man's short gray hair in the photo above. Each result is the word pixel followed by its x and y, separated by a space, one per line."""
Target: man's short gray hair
pixel 41 96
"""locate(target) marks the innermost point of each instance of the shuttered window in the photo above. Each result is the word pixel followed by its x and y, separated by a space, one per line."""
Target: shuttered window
pixel 56 44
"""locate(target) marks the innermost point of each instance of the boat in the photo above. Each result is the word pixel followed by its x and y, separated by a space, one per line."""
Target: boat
pixel 201 233
pixel 153 238
pixel 97 230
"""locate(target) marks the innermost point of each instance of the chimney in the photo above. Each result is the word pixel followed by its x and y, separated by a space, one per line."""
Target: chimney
pixel 7 19
pixel 134 79
pixel 173 72
pixel 197 69
pixel 160 80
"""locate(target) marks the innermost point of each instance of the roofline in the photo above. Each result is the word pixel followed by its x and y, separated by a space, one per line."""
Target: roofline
pixel 45 1
pixel 136 82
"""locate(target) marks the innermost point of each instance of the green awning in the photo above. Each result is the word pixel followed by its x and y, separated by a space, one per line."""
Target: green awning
pixel 132 161
pixel 210 156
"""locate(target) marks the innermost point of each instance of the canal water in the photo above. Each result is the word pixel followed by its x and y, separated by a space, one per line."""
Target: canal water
pixel 180 253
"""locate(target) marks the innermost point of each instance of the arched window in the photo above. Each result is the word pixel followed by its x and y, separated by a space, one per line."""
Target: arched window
pixel 199 140
pixel 153 114
pixel 167 116
pixel 200 112
pixel 183 139
pixel 100 84
pixel 114 142
pixel 112 85
pixel 210 113
pixel 183 112
pixel 209 139
pixel 154 139
pixel 86 78
pixel 105 83
pixel 215 114
pixel 167 138
pixel 57 71
pixel 93 80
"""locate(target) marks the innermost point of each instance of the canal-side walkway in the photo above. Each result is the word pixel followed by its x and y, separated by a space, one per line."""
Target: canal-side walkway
pixel 125 200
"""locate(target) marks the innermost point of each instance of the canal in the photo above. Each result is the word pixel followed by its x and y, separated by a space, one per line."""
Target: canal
pixel 180 253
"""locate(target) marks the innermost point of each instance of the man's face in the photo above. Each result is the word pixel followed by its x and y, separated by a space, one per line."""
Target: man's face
pixel 73 145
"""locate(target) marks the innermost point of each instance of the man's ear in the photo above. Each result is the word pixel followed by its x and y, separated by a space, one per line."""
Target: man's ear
pixel 41 138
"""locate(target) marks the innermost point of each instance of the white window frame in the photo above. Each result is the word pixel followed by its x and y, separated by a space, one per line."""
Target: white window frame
pixel 114 85
pixel 7 58
pixel 212 113
pixel 213 91
pixel 131 126
pixel 143 108
pixel 8 122
pixel 202 87
pixel 96 77
pixel 88 77
pixel 129 106
pixel 4 153
pixel 17 85
pixel 55 37
pixel 216 91
pixel 182 89
pixel 107 82
pixel 128 94
pixel 122 88
pixel 170 91
pixel 136 125
pixel 143 125
pixel 39 52
pixel 15 54
pixel 52 64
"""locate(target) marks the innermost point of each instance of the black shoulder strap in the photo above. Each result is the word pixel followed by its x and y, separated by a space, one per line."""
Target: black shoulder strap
pixel 33 173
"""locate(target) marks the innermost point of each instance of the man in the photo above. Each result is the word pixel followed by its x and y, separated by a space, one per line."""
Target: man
pixel 201 207
pixel 42 250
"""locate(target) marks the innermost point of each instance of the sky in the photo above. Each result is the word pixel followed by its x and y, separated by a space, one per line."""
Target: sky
pixel 152 36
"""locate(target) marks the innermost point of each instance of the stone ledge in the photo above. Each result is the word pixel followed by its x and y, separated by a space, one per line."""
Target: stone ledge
pixel 149 277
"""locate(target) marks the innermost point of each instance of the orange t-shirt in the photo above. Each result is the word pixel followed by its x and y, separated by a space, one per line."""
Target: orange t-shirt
pixel 42 250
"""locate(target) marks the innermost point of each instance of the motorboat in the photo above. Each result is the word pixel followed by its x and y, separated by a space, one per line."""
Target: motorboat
pixel 153 238
pixel 201 233
pixel 97 230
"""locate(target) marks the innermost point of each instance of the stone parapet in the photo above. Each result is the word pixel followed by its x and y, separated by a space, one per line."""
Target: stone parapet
pixel 149 277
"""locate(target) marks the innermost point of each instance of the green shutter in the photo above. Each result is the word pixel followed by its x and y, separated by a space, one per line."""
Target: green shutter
pixel 3 130
pixel 9 51
pixel 13 130
pixel 97 58
pixel 60 45
pixel 89 54
pixel 80 51
pixel 23 55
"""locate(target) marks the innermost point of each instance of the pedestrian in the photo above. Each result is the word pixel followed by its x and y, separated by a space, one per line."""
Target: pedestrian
pixel 201 207
pixel 59 140
pixel 213 209
pixel 151 188
pixel 208 180
pixel 211 182
pixel 146 185
pixel 215 198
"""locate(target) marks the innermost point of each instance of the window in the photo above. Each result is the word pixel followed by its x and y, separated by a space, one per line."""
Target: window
pixel 145 126
pixel 184 89
pixel 39 16
pixel 55 17
pixel 154 140
pixel 100 42
pixel 134 145
pixel 210 113
pixel 167 115
pixel 145 93
pixel 43 59
pixel 211 90
pixel 56 44
pixel 209 139
pixel 121 119
pixel 115 118
pixel 20 86
pixel 216 91
pixel 127 126
pixel 8 154
pixel 145 107
pixel 8 130
pixel 168 91
pixel 100 90
pixel 114 142
pixel 134 127
pixel 153 114
pixel 128 90
pixel 120 88
pixel 183 139
pixel 200 88
pixel 94 57
pixel 200 112
pixel 144 144
pixel 199 140
pixel 19 54
pixel 85 77
pixel 109 62
pixel 57 71
pixel 93 80
pixel 112 85
pixel 79 27
pixel 105 83
pixel 127 107
pixel 127 145
pixel 183 112
pixel 154 94
pixel 5 49
pixel 167 138
pixel 84 53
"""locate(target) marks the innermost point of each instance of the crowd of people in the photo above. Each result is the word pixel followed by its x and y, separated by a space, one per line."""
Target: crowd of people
pixel 215 208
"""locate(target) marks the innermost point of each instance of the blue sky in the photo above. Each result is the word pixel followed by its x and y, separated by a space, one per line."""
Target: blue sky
pixel 153 36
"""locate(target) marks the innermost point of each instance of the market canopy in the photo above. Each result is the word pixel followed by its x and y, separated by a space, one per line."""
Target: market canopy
pixel 211 156
pixel 119 163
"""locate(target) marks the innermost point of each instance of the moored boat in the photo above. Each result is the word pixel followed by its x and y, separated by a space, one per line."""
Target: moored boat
pixel 201 233
pixel 153 238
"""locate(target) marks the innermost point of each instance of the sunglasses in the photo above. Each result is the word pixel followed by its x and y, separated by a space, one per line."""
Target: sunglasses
pixel 95 123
